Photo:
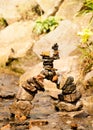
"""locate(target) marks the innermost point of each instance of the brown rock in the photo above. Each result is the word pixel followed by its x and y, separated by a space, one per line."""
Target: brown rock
pixel 20 108
pixel 24 95
pixel 63 106
pixel 74 126
pixel 6 127
pixel 73 97
pixel 38 122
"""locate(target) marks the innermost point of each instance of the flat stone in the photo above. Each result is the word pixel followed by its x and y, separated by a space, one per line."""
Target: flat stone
pixel 38 122
pixel 73 97
pixel 24 95
pixel 63 106
pixel 82 114
pixel 6 93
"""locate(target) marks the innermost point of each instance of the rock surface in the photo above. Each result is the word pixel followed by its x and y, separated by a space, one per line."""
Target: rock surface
pixel 68 107
pixel 65 35
pixel 14 44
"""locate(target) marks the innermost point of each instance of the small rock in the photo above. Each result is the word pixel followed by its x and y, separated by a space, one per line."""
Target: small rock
pixel 20 108
pixel 74 126
pixel 81 114
pixel 81 128
pixel 34 128
pixel 6 127
pixel 38 122
pixel 73 97
pixel 63 106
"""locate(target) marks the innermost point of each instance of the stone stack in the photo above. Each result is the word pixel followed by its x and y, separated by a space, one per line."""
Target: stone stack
pixel 69 99
pixel 48 69
pixel 22 105
pixel 27 91
pixel 56 51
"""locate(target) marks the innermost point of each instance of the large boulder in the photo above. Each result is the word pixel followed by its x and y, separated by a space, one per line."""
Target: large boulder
pixel 9 10
pixel 66 37
pixel 15 40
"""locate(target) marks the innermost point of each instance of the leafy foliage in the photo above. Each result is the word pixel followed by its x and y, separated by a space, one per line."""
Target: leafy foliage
pixel 87 7
pixel 46 25
pixel 86 48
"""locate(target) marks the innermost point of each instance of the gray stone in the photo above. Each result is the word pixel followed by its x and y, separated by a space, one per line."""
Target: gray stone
pixel 73 97
pixel 69 86
pixel 82 114
pixel 63 106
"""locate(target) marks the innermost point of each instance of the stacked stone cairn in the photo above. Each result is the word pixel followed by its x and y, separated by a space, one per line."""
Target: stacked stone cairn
pixel 56 51
pixel 29 88
pixel 69 99
pixel 27 91
pixel 48 68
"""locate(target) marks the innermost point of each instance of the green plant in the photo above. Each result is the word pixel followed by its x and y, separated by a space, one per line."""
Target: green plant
pixel 87 7
pixel 45 25
pixel 86 48
pixel 3 23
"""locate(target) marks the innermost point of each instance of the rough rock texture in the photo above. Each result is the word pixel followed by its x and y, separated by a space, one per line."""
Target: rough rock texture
pixel 63 106
pixel 20 108
pixel 23 95
pixel 73 97
pixel 69 10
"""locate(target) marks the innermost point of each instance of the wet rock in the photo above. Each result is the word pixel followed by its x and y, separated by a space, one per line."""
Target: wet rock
pixel 68 107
